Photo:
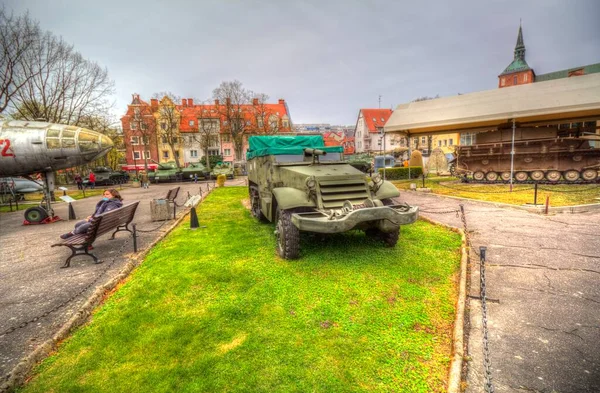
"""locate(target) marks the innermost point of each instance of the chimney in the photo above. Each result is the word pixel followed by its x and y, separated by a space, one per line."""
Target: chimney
pixel 228 101
pixel 190 101
pixel 153 102
pixel 217 102
pixel 183 102
pixel 255 101
pixel 281 101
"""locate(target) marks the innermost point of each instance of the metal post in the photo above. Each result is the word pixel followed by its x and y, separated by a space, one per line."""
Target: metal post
pixel 134 239
pixel 423 175
pixel 535 194
pixel 174 209
pixel 512 156
pixel 383 155
pixel 547 204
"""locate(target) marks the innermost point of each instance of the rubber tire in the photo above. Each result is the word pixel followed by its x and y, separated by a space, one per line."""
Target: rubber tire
pixel 36 214
pixel 548 175
pixel 520 174
pixel 571 172
pixel 288 236
pixel 589 174
pixel 491 176
pixel 389 239
pixel 478 174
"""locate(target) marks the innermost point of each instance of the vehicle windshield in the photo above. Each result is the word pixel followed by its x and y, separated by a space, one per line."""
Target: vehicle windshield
pixel 302 158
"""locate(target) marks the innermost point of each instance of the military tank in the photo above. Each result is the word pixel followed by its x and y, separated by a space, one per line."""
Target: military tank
pixel 362 162
pixel 166 171
pixel 542 154
pixel 195 168
pixel 222 169
pixel 106 176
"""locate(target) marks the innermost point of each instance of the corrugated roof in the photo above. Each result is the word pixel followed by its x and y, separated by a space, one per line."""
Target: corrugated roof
pixel 540 101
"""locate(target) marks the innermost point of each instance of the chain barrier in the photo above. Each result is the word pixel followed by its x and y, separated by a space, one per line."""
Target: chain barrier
pixel 70 299
pixel 489 388
pixel 153 229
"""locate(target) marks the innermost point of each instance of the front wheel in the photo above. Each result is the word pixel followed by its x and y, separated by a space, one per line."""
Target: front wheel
pixel 390 238
pixel 288 236
pixel 36 214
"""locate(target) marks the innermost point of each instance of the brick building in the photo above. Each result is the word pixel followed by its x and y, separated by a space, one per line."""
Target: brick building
pixel 199 129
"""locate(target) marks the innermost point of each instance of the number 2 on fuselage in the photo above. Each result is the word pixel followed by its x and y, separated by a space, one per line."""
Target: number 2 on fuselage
pixel 6 145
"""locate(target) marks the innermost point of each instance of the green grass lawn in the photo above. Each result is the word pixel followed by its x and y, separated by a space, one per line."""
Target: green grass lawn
pixel 560 194
pixel 215 310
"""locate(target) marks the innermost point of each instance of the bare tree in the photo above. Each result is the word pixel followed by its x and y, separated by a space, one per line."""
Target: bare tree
pixel 233 111
pixel 208 133
pixel 143 126
pixel 59 85
pixel 266 121
pixel 17 37
pixel 168 118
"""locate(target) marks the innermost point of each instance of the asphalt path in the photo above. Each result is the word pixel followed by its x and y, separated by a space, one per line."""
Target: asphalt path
pixel 32 282
pixel 542 275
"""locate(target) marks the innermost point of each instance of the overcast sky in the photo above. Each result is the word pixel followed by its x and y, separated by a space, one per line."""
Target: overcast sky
pixel 326 58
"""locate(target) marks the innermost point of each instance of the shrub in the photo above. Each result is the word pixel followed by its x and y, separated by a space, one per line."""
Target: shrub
pixel 401 173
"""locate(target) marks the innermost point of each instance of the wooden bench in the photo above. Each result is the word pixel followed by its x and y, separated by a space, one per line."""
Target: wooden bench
pixel 117 219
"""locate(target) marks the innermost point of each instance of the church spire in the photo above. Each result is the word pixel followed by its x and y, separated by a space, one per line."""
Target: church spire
pixel 520 47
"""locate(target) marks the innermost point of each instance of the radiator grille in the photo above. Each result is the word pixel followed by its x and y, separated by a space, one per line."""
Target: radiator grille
pixel 333 193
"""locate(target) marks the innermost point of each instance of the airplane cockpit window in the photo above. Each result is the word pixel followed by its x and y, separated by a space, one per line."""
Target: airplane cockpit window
pixel 105 141
pixel 87 141
pixel 52 143
pixel 53 133
pixel 68 143
pixel 68 134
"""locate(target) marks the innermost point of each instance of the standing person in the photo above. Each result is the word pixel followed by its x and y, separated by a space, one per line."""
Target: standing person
pixel 144 179
pixel 111 200
pixel 92 180
pixel 195 178
pixel 79 181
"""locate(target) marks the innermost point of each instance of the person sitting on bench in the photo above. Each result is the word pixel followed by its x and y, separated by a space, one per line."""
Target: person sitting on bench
pixel 111 200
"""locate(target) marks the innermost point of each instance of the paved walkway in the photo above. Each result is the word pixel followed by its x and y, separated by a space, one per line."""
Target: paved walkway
pixel 542 281
pixel 32 281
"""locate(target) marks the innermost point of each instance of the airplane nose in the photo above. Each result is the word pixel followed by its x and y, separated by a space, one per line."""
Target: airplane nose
pixel 106 142
pixel 93 142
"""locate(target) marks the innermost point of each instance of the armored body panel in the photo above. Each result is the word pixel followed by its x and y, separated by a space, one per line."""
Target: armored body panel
pixel 106 176
pixel 301 185
pixel 541 154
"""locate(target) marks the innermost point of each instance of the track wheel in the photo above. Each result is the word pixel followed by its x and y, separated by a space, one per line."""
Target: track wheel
pixel 553 176
pixel 491 176
pixel 571 175
pixel 35 214
pixel 521 176
pixel 505 176
pixel 255 204
pixel 478 175
pixel 288 236
pixel 589 174
pixel 537 175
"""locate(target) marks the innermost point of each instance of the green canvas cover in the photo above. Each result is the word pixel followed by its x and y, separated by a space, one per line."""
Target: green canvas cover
pixel 260 146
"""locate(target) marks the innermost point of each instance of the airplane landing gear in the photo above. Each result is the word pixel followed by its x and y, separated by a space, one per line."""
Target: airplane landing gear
pixel 43 214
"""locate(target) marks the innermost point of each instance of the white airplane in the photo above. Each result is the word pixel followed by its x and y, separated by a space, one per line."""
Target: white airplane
pixel 28 147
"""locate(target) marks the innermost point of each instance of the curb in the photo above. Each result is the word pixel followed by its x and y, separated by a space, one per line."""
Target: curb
pixel 21 371
pixel 532 209
pixel 456 363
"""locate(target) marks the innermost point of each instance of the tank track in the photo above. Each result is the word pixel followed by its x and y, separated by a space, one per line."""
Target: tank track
pixel 529 181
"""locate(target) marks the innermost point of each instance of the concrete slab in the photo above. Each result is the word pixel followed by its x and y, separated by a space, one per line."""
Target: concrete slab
pixel 544 271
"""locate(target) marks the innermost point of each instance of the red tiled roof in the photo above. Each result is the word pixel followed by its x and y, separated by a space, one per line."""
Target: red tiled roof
pixel 376 118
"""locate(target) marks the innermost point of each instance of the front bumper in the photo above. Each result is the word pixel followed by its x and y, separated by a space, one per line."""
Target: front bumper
pixel 385 218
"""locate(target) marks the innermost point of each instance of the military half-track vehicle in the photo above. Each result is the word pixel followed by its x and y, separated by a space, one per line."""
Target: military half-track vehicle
pixel 542 154
pixel 222 169
pixel 303 186
pixel 105 176
pixel 195 168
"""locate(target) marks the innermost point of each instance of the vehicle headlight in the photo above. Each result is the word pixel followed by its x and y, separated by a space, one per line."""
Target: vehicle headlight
pixel 376 178
pixel 311 183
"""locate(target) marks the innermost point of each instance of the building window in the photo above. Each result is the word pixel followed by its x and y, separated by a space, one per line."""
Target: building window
pixel 191 123
pixel 286 123
pixel 525 78
pixel 439 143
pixel 467 139
pixel 145 140
pixel 445 142
pixel 136 155
pixel 226 138
pixel 163 126
pixel 213 152
pixel 194 153
pixel 515 80
pixel 133 126
pixel 227 152
pixel 148 154
pixel 450 142
pixel 502 82
pixel 423 140
pixel 135 140
pixel 164 140
pixel 165 154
